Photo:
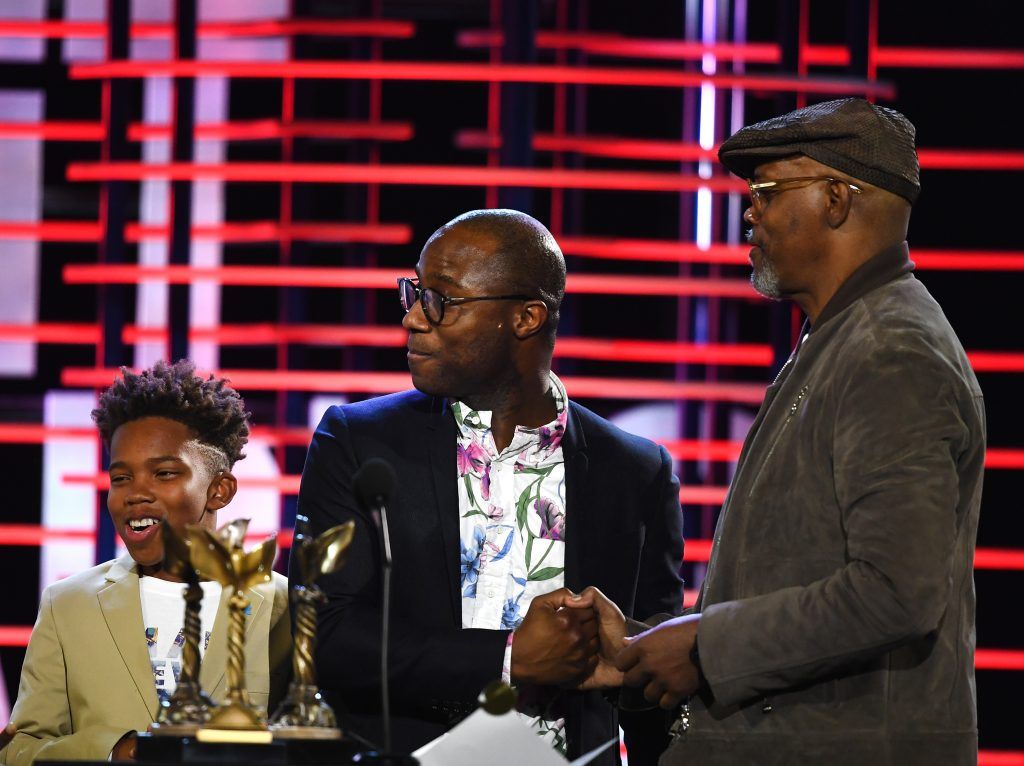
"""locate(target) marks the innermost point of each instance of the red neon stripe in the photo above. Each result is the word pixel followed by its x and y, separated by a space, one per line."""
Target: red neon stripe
pixel 302 276
pixel 702 495
pixel 274 231
pixel 272 334
pixel 53 131
pixel 459 72
pixel 54 332
pixel 999 659
pixel 269 28
pixel 1000 758
pixel 15 635
pixel 597 146
pixel 970 159
pixel 275 129
pixel 51 231
pixel 950 58
pixel 404 175
pixel 968 260
pixel 33 534
pixel 671 251
pixel 684 449
pixel 996 361
pixel 998 558
pixel 1004 458
pixel 633 47
pixel 388 382
pixel 664 351
pixel 698 449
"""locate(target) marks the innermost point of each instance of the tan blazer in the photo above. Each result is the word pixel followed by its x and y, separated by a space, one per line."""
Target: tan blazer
pixel 87 679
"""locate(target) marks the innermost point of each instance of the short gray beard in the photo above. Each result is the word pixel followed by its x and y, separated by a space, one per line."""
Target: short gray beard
pixel 766 280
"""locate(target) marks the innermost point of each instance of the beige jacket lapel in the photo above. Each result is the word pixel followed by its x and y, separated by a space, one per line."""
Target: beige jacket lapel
pixel 212 673
pixel 121 606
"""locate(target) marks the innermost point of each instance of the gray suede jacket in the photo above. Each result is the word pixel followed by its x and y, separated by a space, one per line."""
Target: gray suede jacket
pixel 838 606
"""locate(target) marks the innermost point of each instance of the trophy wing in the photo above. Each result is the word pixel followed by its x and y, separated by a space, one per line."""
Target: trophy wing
pixel 256 565
pixel 232 534
pixel 330 550
pixel 209 556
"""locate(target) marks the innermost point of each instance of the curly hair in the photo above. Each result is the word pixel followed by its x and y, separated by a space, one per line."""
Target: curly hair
pixel 211 408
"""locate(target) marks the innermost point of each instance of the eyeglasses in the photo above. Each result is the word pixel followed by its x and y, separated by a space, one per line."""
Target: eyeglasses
pixel 761 191
pixel 434 303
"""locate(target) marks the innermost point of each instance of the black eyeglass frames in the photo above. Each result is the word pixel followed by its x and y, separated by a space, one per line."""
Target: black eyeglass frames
pixel 434 302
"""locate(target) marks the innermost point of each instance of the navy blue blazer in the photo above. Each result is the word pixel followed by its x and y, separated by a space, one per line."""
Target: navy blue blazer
pixel 623 535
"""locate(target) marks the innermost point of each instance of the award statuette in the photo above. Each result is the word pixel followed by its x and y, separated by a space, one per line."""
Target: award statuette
pixel 220 556
pixel 189 707
pixel 303 714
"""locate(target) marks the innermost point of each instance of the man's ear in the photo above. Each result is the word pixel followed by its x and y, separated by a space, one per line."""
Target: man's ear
pixel 531 319
pixel 840 199
pixel 221 491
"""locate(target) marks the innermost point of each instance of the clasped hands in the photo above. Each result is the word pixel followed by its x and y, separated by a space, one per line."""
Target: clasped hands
pixel 579 641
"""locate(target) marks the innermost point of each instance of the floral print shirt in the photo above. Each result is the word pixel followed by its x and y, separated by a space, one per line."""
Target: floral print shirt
pixel 512 508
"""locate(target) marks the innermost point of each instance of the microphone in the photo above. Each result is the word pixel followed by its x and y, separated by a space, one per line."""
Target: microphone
pixel 373 484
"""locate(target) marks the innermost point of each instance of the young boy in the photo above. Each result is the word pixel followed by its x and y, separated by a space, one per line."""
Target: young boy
pixel 106 646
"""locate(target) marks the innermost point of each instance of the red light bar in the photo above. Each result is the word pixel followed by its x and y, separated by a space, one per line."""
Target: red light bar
pixel 33 534
pixel 272 334
pixel 53 131
pixel 273 231
pixel 252 130
pixel 698 449
pixel 1000 758
pixel 52 231
pixel 999 659
pixel 753 52
pixel 434 71
pixel 51 332
pixel 968 260
pixel 746 354
pixel 970 159
pixel 403 175
pixel 702 495
pixel 1004 458
pixel 325 277
pixel 596 146
pixel 388 382
pixel 15 635
pixel 996 361
pixel 950 58
pixel 998 558
pixel 269 28
pixel 672 251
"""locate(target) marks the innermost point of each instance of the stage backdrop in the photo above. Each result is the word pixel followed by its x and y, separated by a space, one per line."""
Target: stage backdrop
pixel 242 182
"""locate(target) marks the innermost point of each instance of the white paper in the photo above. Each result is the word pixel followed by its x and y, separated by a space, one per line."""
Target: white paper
pixel 497 740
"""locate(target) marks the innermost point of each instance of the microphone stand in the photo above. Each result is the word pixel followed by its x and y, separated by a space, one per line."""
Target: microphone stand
pixel 388 757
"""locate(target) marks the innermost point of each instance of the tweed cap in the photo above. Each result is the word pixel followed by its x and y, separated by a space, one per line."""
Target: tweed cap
pixel 867 142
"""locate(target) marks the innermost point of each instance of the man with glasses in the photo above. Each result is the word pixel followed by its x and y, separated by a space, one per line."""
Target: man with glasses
pixel 835 623
pixel 510 497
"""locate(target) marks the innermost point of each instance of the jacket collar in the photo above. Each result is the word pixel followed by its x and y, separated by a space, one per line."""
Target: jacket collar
pixel 121 606
pixel 891 263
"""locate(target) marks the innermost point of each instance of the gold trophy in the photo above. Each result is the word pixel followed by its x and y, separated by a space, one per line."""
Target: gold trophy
pixel 189 707
pixel 220 556
pixel 303 714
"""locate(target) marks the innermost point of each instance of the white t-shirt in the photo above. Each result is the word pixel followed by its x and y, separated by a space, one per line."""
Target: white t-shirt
pixel 163 615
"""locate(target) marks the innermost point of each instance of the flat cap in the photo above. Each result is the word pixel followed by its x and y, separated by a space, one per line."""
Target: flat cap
pixel 871 143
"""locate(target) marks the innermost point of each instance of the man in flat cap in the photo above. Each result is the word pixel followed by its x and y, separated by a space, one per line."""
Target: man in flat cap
pixel 836 619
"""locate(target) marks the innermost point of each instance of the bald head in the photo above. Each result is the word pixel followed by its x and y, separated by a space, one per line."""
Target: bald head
pixel 523 257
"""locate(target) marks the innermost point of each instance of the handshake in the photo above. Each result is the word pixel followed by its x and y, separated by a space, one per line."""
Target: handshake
pixel 580 641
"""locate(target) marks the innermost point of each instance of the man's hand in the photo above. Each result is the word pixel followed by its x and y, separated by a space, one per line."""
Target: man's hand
pixel 554 645
pixel 7 734
pixel 659 661
pixel 611 633
pixel 124 750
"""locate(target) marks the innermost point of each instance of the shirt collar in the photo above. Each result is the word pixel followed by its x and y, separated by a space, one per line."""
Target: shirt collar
pixel 544 439
pixel 889 264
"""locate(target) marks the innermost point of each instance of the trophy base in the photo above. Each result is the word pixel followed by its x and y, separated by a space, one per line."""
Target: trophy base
pixel 235 736
pixel 174 729
pixel 189 751
pixel 305 732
